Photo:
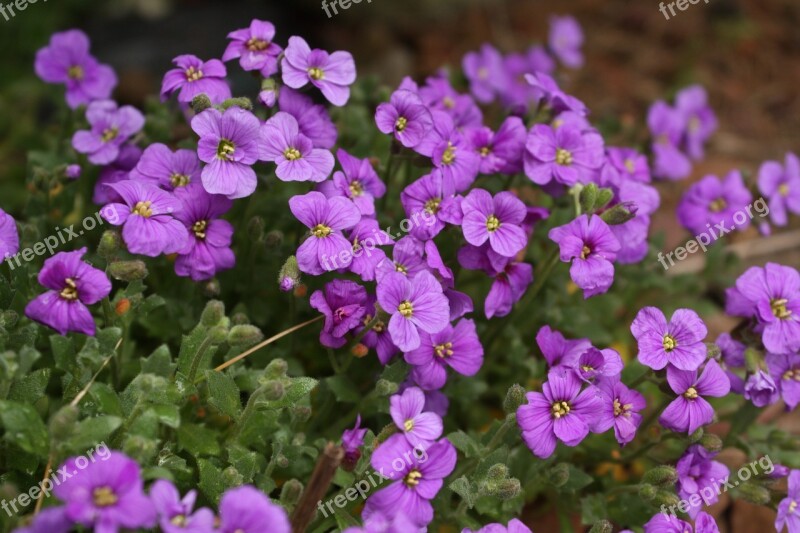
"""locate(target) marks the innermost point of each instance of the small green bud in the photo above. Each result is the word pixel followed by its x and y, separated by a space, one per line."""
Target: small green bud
pixel 244 336
pixel 200 103
pixel 273 239
pixel 255 228
pixel 662 476
pixel 588 198
pixel 110 244
pixel 619 214
pixel 291 492
pixel 213 313
pixel 602 526
pixel 514 398
pixel 559 474
pixel 603 197
pixel 504 489
pixel 385 387
pixel 711 442
pixel 497 472
pixel 269 84
pixel 753 360
pixel 62 423
pixel 276 368
pixel 240 319
pixel 385 433
pixel 211 288
pixel 218 334
pixel 273 390
pixel 240 101
pixel 231 477
pixel 139 448
pixel 299 439
pixel 666 498
pixel 289 275
pixel 8 318
pixel 712 350
pixel 647 491
pixel 300 413
pixel 128 270
pixel 151 383
pixel 697 435
pixel 282 461
pixel 754 493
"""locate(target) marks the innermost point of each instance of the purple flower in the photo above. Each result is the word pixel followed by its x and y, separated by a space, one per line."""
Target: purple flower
pixel 73 172
pixel 357 181
pixel 147 216
pixel 667 126
pixel 246 509
pixel 669 523
pixel 325 218
pixel 229 144
pixel 690 410
pixel 483 69
pixel 195 77
pixel 293 152
pixel 781 186
pixel 73 285
pixel 761 389
pixel 312 119
pixel 167 169
pixel 679 343
pixel 366 236
pixel 497 220
pixel 254 48
pixel 451 152
pixel 408 258
pixel 514 526
pixel 592 248
pixel 565 41
pixel 516 93
pixel 731 356
pixel 559 101
pixel 788 516
pixel 629 164
pixel 697 472
pixel 119 170
pixel 352 440
pixel 342 302
pixel 785 371
pixel 718 203
pixel 564 154
pixel 772 296
pixel 511 279
pixel 110 128
pixel 414 305
pixel 330 73
pixel 378 337
pixel 426 198
pixel 377 523
pixel 559 351
pixel 416 483
pixel 438 94
pixel 175 513
pixel 560 412
pixel 501 151
pixel 50 520
pixel 9 236
pixel 207 249
pixel 701 123
pixel 405 117
pixel 620 407
pixel 107 495
pixel 420 428
pixel 456 347
pixel 595 365
pixel 67 60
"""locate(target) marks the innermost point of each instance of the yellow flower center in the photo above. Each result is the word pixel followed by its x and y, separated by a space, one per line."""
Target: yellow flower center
pixel 485 151
pixel 629 166
pixel 585 252
pixel 779 308
pixel 199 228
pixel 178 520
pixel 691 393
pixel 379 325
pixel 316 73
pixel 669 343
pixel 444 350
pixel 400 268
pixel 718 205
pixel 448 102
pixel 792 506
pixel 109 134
pixel 792 374
pixel 142 209
pixel 483 73
pixel 401 124
pixel 694 124
pixel 406 309
pixel 449 154
pixel 75 72
pixel 563 157
pixel 321 230
pixel 620 409
pixel 492 223
pixel 560 409
pixel 412 478
pixel 104 497
pixel 256 45
pixel 70 292
pixel 432 206
pixel 356 189
pixel 783 189
pixel 193 74
pixel 225 149
pixel 292 154
pixel 179 180
pixel 408 425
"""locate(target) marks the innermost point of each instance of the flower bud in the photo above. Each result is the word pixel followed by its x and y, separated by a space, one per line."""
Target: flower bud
pixel 273 239
pixel 620 213
pixel 244 336
pixel 647 492
pixel 300 291
pixel 276 368
pixel 359 350
pixel 711 442
pixel 213 313
pixel 291 492
pixel 8 318
pixel 712 350
pixel 211 288
pixel 588 197
pixel 122 306
pixel 110 243
pixel 603 197
pixel 232 477
pixel 73 172
pixel 559 474
pixel 514 398
pixel 300 413
pixel 282 461
pixel 289 275
pixel 239 101
pixel 497 472
pixel 139 448
pixel 385 387
pixel 200 103
pixel 754 493
pixel 697 435
pixel 666 498
pixel 299 439
pixel 128 270
pixel 218 334
pixel 239 319
pixel 385 433
pixel 273 390
pixel 602 526
pixel 661 476
pixel 255 228
pixel 504 489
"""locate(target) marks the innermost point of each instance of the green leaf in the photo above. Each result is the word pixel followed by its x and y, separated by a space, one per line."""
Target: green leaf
pixel 104 400
pixel 462 487
pixel 211 482
pixel 343 389
pixel 24 427
pixel 159 362
pixel 198 440
pixel 30 388
pixel 169 415
pixel 593 508
pixel 63 352
pixel 395 372
pixel 92 431
pixel 223 393
pixel 343 519
pixel 578 479
pixel 296 391
pixel 464 443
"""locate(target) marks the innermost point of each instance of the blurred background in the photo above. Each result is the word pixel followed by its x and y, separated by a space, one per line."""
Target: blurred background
pixel 745 52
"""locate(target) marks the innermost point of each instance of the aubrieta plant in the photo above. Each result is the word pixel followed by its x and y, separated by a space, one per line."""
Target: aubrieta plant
pixel 468 328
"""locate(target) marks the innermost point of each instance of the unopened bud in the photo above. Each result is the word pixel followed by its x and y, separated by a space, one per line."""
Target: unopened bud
pixel 712 351
pixel 588 197
pixel 385 433
pixel 359 350
pixel 9 318
pixel 559 474
pixel 273 390
pixel 128 270
pixel 385 387
pixel 620 213
pixel 139 448
pixel 276 368
pixel 110 243
pixel 497 472
pixel 289 275
pixel 711 442
pixel 666 498
pixel 218 334
pixel 603 197
pixel 273 239
pixel 602 526
pixel 73 172
pixel 754 493
pixel 232 477
pixel 514 398
pixel 505 489
pixel 291 492
pixel 697 435
pixel 211 288
pixel 255 228
pixel 647 491
pixel 200 103
pixel 300 291
pixel 239 319
pixel 240 101
pixel 244 336
pixel 282 461
pixel 662 476
pixel 300 413
pixel 213 313
pixel 122 306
